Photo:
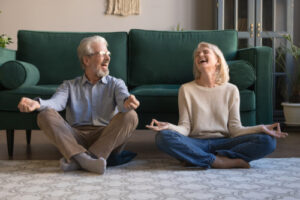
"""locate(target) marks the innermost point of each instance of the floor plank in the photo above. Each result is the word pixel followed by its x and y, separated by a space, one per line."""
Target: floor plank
pixel 142 143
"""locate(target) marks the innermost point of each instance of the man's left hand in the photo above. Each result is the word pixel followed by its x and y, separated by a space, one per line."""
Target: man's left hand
pixel 131 103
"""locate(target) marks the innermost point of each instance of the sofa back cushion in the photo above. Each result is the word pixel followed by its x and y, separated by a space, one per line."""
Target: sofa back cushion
pixel 55 53
pixel 166 57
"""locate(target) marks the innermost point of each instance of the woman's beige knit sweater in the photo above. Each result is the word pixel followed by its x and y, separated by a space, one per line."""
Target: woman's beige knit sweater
pixel 210 112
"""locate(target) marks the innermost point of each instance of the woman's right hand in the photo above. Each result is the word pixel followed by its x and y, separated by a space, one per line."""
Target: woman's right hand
pixel 157 125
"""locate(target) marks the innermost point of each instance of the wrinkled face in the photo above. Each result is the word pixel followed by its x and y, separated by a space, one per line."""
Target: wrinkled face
pixel 97 63
pixel 206 59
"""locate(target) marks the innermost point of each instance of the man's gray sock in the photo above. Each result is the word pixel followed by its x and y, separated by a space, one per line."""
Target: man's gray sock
pixel 91 164
pixel 71 166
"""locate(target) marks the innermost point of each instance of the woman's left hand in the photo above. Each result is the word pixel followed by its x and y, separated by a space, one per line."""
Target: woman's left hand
pixel 274 130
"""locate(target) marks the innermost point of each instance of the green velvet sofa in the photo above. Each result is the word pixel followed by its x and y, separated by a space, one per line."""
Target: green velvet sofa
pixel 152 63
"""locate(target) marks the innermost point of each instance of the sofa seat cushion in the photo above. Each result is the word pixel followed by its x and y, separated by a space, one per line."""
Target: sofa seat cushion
pixel 241 74
pixel 9 99
pixel 157 98
pixel 156 90
pixel 14 74
pixel 164 99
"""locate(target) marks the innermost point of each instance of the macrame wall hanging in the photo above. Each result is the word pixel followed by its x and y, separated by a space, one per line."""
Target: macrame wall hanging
pixel 123 7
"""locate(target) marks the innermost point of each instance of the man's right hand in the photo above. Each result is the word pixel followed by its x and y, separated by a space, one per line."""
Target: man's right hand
pixel 28 105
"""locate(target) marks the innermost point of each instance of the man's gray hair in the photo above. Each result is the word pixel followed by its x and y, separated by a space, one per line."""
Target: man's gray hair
pixel 85 47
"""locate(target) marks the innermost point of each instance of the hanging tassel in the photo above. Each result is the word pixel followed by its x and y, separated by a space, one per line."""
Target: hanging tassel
pixel 123 7
pixel 110 7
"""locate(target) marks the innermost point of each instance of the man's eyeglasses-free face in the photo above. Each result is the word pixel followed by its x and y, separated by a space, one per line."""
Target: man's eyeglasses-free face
pixel 101 53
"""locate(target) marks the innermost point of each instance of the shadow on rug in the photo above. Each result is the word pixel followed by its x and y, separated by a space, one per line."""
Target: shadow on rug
pixel 269 178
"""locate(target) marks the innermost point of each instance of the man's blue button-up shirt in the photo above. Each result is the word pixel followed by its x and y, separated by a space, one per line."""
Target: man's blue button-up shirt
pixel 88 104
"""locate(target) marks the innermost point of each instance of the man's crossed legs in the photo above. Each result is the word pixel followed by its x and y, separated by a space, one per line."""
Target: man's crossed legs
pixel 87 147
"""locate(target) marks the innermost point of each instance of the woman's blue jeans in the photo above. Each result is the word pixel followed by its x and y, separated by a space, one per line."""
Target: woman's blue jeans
pixel 202 152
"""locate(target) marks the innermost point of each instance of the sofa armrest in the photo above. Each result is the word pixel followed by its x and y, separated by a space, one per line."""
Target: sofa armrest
pixel 15 74
pixel 261 59
pixel 6 55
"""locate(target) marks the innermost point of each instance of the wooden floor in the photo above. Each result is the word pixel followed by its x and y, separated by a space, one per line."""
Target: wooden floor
pixel 142 143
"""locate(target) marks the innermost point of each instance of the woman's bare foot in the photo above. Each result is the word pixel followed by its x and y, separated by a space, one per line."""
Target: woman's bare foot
pixel 222 162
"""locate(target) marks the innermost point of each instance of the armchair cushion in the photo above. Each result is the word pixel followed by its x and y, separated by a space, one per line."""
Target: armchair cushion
pixel 14 74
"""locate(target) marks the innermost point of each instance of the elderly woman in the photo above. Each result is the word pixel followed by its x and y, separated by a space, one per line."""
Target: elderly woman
pixel 209 132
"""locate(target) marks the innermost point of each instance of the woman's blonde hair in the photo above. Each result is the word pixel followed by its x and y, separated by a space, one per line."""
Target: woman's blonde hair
pixel 222 72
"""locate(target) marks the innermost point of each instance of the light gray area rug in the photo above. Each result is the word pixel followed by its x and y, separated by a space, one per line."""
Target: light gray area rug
pixel 269 178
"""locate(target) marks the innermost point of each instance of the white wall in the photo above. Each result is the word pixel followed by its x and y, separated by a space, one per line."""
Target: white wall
pixel 89 15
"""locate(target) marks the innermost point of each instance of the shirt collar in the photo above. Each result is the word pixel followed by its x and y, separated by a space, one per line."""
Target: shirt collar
pixel 84 80
pixel 104 79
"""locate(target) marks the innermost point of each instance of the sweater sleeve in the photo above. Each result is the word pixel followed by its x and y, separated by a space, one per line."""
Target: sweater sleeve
pixel 234 123
pixel 184 124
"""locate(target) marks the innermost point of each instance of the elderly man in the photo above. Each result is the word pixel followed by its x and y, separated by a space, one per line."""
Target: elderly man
pixel 99 112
